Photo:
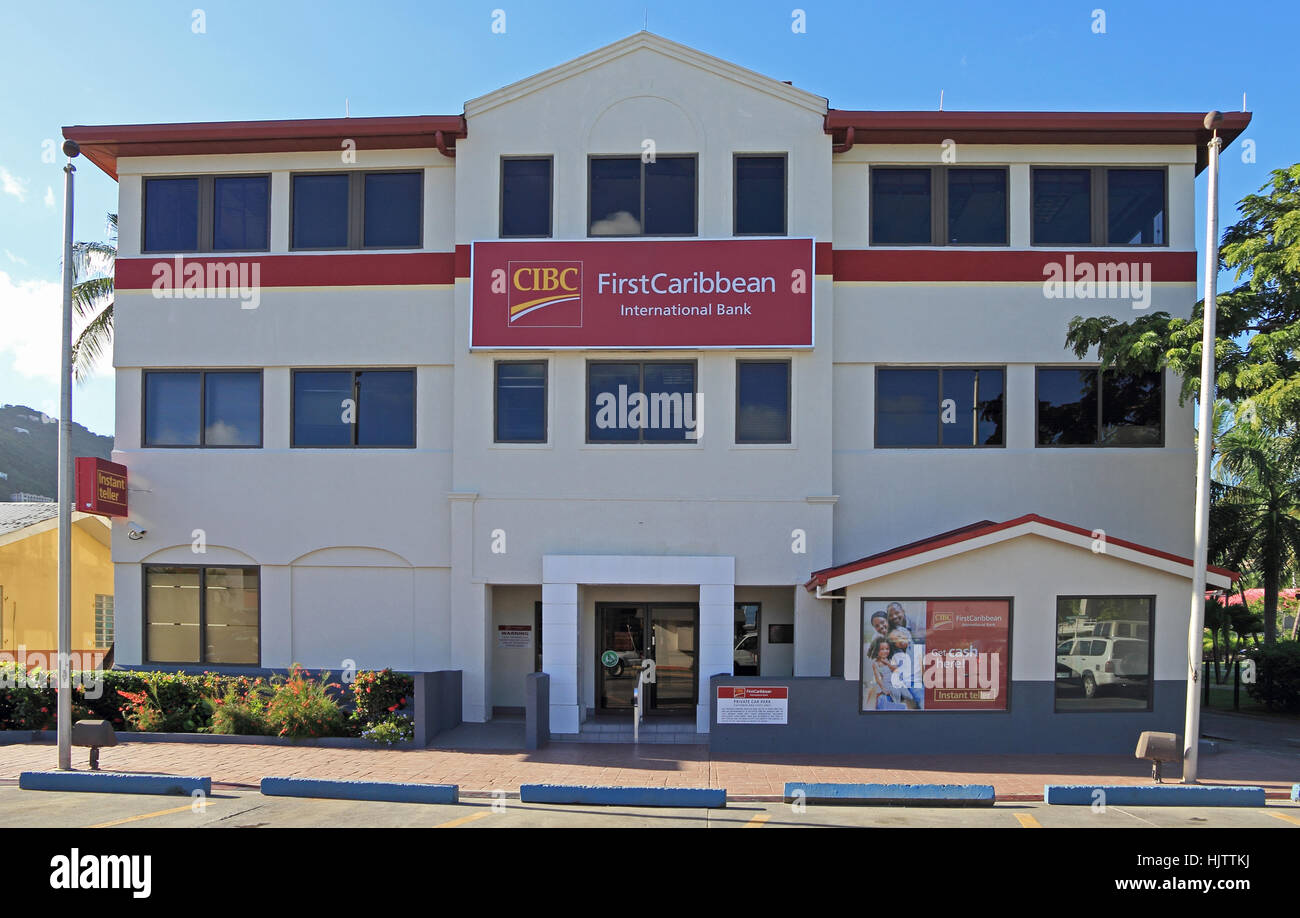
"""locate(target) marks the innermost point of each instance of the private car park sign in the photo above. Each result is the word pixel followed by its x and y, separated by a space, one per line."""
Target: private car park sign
pixel 611 293
pixel 753 704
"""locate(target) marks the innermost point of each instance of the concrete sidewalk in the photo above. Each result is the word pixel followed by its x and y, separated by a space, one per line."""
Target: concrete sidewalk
pixel 1012 776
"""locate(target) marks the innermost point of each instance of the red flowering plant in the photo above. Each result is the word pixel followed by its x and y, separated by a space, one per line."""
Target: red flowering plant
pixel 300 706
pixel 378 695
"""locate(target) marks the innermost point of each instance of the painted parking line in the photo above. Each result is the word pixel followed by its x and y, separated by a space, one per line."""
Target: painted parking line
pixel 175 809
pixel 1286 816
pixel 1026 821
pixel 757 821
pixel 463 820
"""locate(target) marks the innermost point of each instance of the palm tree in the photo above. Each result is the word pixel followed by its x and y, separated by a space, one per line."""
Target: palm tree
pixel 1256 508
pixel 92 296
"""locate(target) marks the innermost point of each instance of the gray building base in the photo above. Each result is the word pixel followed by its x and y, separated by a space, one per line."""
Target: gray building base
pixel 824 719
pixel 437 704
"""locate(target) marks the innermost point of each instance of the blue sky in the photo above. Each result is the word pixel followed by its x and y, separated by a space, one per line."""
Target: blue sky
pixel 91 63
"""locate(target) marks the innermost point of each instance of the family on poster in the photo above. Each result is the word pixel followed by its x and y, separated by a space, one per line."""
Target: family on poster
pixel 893 651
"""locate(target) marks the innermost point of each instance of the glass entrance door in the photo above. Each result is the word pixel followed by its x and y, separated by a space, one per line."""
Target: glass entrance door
pixel 630 634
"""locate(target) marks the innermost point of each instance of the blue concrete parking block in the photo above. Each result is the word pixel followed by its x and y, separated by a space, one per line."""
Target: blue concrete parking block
pixel 891 794
pixel 109 782
pixel 1152 795
pixel 712 798
pixel 387 791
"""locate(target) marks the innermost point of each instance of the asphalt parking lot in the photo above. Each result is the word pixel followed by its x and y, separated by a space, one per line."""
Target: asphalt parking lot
pixel 234 809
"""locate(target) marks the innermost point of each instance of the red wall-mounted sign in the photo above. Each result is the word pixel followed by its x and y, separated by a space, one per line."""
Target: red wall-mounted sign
pixel 642 293
pixel 101 486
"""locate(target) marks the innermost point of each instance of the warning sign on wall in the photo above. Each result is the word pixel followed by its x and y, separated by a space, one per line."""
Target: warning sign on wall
pixel 753 704
pixel 514 635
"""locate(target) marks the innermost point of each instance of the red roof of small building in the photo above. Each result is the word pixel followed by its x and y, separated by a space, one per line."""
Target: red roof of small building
pixel 983 528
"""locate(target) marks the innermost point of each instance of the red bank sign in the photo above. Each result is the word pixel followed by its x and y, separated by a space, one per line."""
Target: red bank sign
pixel 101 486
pixel 635 293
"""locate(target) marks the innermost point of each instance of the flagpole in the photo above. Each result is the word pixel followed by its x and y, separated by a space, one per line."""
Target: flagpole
pixel 66 498
pixel 1204 444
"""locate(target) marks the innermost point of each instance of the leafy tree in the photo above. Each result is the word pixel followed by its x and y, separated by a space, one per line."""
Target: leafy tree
pixel 1257 351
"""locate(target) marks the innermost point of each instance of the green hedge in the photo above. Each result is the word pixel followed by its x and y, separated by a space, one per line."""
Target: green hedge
pixel 298 704
pixel 1277 676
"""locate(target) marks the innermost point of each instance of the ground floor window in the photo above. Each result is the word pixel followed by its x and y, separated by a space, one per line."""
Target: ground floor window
pixel 103 620
pixel 1103 653
pixel 201 614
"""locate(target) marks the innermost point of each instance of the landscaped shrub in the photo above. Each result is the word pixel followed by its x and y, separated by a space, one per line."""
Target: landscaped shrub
pixel 1277 676
pixel 242 712
pixel 379 694
pixel 392 729
pixel 302 707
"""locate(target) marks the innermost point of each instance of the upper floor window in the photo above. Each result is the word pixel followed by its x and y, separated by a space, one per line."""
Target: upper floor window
pixel 520 401
pixel 938 205
pixel 1099 206
pixel 203 408
pixel 353 408
pixel 760 195
pixel 762 401
pixel 629 197
pixel 207 213
pixel 1088 407
pixel 939 406
pixel 354 210
pixel 650 402
pixel 525 196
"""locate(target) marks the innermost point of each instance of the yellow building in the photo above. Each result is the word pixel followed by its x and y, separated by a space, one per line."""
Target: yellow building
pixel 29 552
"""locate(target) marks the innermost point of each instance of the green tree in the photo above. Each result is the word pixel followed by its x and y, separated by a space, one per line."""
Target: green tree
pixel 1255 509
pixel 1257 350
pixel 92 297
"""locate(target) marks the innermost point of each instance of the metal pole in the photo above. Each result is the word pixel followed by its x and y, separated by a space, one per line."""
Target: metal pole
pixel 65 476
pixel 1204 443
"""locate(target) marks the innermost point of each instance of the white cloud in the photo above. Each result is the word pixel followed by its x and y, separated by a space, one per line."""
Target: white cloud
pixel 30 314
pixel 16 259
pixel 49 196
pixel 13 185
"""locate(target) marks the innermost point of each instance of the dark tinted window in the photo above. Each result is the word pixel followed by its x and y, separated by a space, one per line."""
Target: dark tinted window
pixel 386 408
pixel 971 407
pixel 762 402
pixel 172 408
pixel 615 197
pixel 1067 407
pixel 232 409
pixel 171 214
pixel 977 206
pixel 670 390
pixel 670 196
pixel 1135 206
pixel 324 411
pixel 1120 679
pixel 628 197
pixel 202 614
pixel 1073 412
pixel 525 197
pixel 240 213
pixel 760 195
pixel 950 406
pixel 392 209
pixel 900 206
pixel 1062 206
pixel 320 211
pixel 521 402
pixel 631 402
pixel 1130 409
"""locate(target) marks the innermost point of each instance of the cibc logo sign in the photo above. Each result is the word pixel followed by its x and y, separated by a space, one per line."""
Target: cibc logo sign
pixel 545 294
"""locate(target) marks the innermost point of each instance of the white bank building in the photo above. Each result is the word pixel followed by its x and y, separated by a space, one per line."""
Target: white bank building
pixel 651 357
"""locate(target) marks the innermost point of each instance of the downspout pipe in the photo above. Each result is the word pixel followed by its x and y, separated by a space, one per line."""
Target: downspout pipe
pixel 440 139
pixel 848 141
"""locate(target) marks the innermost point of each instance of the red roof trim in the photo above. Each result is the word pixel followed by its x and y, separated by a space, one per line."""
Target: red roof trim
pixel 877 127
pixel 977 530
pixel 953 266
pixel 103 144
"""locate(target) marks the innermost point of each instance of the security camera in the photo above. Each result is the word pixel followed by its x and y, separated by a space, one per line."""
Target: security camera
pixel 134 532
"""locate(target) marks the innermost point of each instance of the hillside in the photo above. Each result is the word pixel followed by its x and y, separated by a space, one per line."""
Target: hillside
pixel 31 459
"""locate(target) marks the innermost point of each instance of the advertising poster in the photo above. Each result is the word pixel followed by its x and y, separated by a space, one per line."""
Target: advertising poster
pixel 935 655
